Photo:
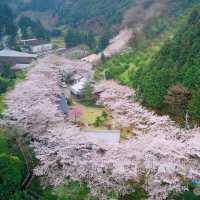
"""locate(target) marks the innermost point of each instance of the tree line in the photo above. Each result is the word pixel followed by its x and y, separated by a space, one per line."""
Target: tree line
pixel 174 71
pixel 167 76
pixel 30 28
pixel 97 43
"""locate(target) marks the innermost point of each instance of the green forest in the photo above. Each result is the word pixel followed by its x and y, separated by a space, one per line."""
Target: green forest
pixel 79 12
pixel 30 29
pixel 95 42
pixel 176 63
pixel 7 24
pixel 9 27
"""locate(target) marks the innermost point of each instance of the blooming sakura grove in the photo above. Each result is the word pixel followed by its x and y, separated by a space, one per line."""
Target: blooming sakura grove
pixel 158 150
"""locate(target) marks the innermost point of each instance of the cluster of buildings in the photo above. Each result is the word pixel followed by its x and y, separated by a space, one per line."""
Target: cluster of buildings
pixel 30 50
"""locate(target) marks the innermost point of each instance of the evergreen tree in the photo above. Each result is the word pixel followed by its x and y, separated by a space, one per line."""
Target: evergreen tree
pixel 176 63
pixel 7 24
pixel 75 37
pixel 72 38
pixel 30 28
pixel 104 41
pixel 194 105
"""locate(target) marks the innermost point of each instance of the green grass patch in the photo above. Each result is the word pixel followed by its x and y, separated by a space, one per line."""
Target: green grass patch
pixel 21 75
pixel 123 66
pixel 90 113
pixel 2 105
pixel 58 42
pixel 74 190
pixel 3 142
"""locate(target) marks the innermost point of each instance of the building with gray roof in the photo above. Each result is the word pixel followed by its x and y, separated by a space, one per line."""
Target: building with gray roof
pixel 13 57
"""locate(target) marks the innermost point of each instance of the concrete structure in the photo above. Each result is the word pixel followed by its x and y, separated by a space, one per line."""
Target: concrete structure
pixel 104 136
pixel 12 57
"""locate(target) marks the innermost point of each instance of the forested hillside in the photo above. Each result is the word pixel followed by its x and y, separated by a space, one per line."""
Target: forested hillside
pixel 79 12
pixel 7 23
pixel 148 18
pixel 176 64
pixel 30 28
pixel 9 26
pixel 165 73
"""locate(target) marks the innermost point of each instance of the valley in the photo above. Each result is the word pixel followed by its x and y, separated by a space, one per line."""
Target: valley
pixel 65 151
pixel 99 100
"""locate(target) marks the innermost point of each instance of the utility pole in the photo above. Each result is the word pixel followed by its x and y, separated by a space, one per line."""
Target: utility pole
pixel 187 124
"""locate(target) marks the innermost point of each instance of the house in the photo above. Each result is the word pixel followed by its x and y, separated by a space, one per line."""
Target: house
pixel 12 57
pixel 77 88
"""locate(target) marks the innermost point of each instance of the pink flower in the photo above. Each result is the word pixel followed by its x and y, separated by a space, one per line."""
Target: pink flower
pixel 75 113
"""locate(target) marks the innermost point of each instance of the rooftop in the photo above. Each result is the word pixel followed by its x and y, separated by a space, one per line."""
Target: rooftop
pixel 13 53
pixel 104 136
pixel 33 42
pixel 29 40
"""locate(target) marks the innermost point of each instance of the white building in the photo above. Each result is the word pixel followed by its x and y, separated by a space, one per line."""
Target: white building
pixel 41 48
pixel 28 42
pixel 77 88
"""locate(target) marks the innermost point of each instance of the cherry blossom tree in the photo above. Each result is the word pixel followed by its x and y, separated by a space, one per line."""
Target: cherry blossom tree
pixel 75 114
pixel 159 149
